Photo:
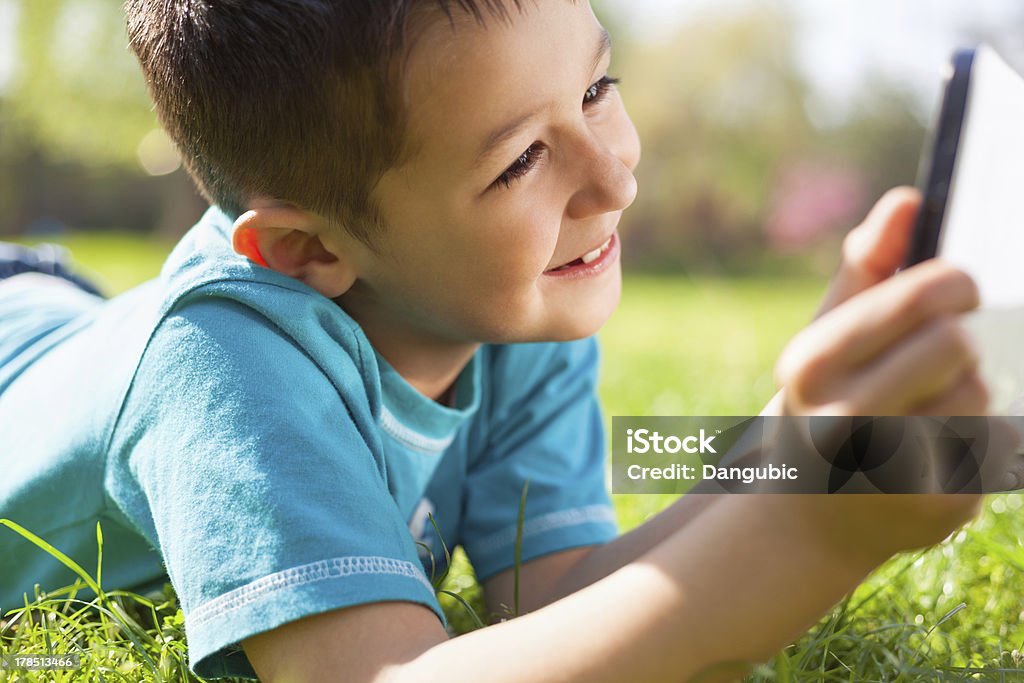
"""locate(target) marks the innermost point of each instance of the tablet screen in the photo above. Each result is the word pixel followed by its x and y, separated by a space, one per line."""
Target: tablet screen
pixel 983 223
pixel 983 228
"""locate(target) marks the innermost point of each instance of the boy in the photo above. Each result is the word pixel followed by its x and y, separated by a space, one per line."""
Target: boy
pixel 407 191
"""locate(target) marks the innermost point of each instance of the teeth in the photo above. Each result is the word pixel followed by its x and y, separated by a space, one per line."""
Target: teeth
pixel 591 255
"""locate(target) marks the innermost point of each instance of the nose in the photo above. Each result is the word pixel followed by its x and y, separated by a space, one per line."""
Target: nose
pixel 606 173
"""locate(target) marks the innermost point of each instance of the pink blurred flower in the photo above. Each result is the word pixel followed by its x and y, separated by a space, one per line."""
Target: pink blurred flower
pixel 812 199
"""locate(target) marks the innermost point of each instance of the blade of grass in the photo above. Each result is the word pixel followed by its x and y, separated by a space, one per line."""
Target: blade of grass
pixel 99 555
pixel 433 565
pixel 519 548
pixel 444 547
pixel 469 608
pixel 58 555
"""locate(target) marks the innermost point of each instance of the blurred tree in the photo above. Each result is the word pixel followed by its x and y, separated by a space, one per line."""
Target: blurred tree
pixel 76 88
pixel 79 106
pixel 718 107
pixel 884 134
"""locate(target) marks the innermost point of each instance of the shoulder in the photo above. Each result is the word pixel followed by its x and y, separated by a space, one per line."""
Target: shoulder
pixel 216 368
pixel 228 345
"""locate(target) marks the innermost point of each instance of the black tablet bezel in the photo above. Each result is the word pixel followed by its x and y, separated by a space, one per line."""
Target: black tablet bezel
pixel 939 160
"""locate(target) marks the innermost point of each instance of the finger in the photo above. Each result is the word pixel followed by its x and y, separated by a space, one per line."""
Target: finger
pixel 1003 468
pixel 967 396
pixel 933 363
pixel 984 457
pixel 859 329
pixel 876 248
pixel 1011 478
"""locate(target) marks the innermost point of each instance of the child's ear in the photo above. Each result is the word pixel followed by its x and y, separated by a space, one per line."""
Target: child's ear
pixel 287 239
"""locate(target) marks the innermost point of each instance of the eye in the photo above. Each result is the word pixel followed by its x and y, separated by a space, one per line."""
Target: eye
pixel 597 91
pixel 528 159
pixel 521 166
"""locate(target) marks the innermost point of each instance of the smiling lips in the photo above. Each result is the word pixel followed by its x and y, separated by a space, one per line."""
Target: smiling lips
pixel 591 260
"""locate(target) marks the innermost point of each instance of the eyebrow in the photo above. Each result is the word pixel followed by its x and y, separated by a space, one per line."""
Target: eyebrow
pixel 511 129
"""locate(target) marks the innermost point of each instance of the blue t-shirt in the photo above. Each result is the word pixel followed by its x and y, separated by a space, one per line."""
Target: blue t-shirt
pixel 234 430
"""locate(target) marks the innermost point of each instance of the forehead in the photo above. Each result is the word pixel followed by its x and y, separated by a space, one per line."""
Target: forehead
pixel 463 79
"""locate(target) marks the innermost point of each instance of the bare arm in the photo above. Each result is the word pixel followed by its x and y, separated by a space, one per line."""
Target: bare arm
pixel 689 604
pixel 549 578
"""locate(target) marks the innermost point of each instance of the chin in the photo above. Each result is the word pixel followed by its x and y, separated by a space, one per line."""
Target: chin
pixel 580 325
pixel 585 321
pixel 566 319
pixel 578 329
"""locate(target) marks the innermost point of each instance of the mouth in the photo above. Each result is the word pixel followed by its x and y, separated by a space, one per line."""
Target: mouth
pixel 592 262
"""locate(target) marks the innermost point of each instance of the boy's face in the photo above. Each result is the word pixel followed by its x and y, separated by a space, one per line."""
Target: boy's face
pixel 477 226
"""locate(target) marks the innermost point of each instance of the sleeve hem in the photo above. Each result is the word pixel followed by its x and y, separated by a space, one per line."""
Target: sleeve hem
pixel 216 628
pixel 543 535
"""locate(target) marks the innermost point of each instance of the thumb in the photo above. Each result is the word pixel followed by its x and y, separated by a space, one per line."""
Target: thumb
pixel 876 248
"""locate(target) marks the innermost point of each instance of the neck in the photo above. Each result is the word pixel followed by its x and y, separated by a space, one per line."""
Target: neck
pixel 429 363
pixel 431 371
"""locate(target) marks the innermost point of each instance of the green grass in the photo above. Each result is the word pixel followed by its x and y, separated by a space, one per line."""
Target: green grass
pixel 115 261
pixel 677 346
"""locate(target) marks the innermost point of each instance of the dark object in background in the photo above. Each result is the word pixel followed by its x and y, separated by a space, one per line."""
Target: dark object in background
pixel 48 259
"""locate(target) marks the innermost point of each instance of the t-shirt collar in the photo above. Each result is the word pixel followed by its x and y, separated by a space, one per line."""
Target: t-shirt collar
pixel 420 422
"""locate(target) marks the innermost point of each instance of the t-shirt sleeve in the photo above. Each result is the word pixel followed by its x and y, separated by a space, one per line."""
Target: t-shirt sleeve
pixel 544 427
pixel 258 481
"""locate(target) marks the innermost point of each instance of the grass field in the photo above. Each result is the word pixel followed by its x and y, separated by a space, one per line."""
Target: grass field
pixel 681 346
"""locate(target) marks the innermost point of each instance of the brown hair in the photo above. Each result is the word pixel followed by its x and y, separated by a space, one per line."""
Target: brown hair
pixel 291 99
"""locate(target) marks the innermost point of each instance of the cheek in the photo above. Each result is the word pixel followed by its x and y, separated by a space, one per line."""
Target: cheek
pixel 521 239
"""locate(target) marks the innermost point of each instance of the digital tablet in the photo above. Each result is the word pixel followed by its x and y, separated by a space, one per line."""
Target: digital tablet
pixel 972 179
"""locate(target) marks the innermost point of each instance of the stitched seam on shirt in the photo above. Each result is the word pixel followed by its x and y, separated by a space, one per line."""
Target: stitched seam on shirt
pixel 409 437
pixel 552 520
pixel 314 572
